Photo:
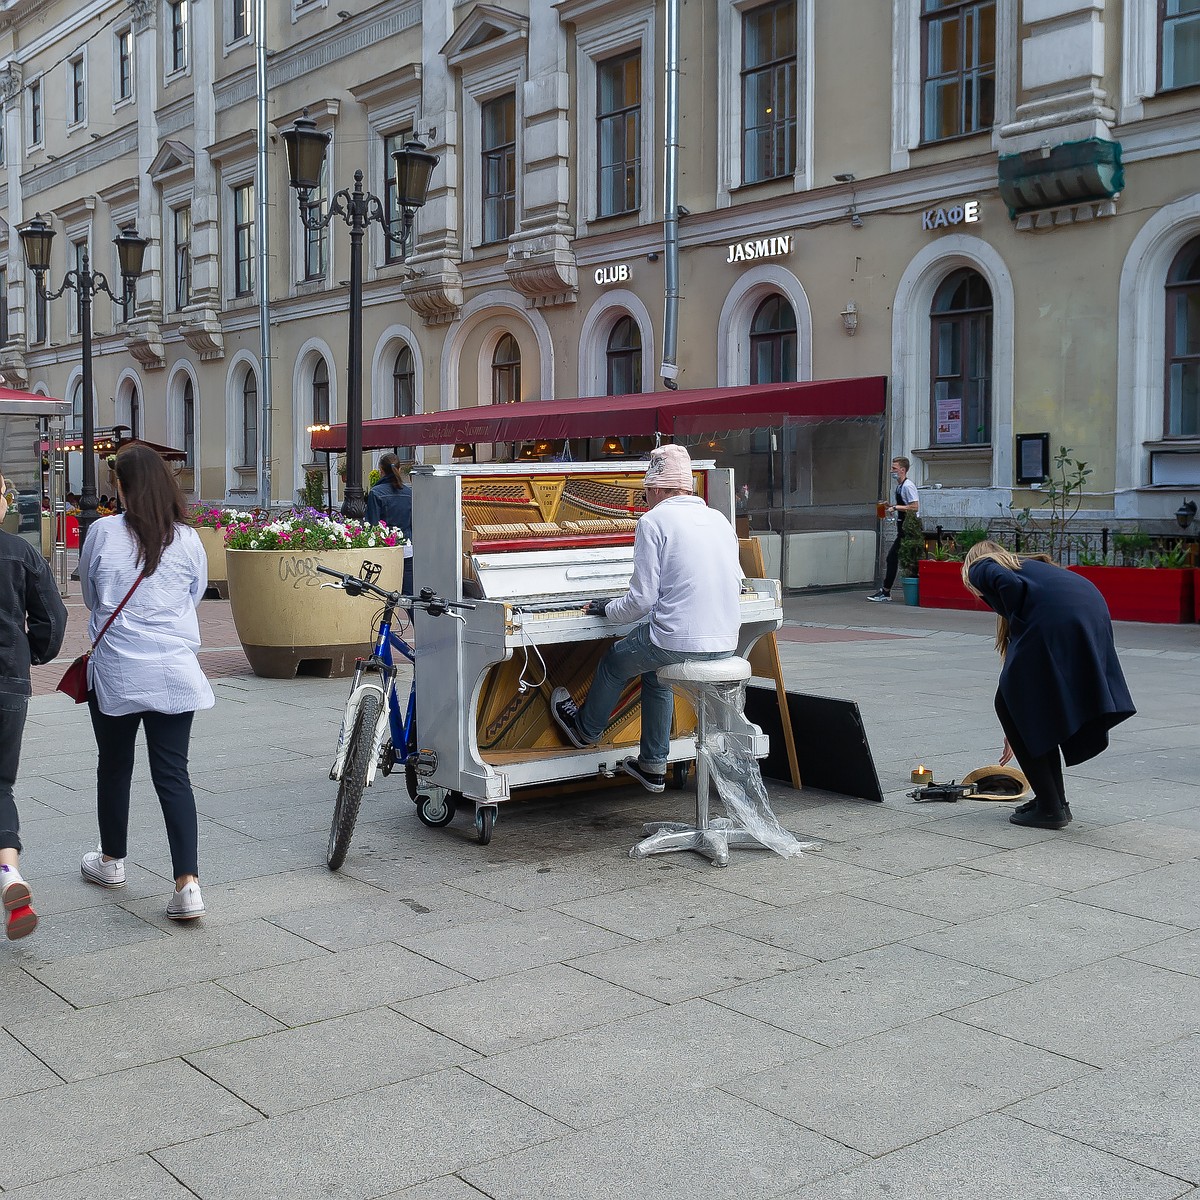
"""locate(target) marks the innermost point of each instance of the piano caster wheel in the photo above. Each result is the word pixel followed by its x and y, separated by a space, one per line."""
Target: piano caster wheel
pixel 681 772
pixel 437 814
pixel 485 820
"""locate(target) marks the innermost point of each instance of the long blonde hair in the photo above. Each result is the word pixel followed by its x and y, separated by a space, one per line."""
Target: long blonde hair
pixel 1006 559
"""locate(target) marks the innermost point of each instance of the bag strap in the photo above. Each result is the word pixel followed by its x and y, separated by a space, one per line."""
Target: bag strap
pixel 115 611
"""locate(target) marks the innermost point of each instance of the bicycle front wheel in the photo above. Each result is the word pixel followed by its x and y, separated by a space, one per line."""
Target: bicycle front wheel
pixel 354 778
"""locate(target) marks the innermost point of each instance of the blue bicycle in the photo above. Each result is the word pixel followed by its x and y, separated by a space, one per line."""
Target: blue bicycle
pixel 373 713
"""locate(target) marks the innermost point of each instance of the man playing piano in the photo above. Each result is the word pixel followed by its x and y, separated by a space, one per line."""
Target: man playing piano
pixel 686 580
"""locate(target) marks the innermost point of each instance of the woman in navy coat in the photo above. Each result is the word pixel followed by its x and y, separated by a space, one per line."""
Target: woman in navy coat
pixel 1061 687
pixel 390 501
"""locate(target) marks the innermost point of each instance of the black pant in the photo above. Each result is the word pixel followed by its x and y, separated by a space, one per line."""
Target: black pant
pixel 167 737
pixel 407 586
pixel 1044 771
pixel 893 565
pixel 12 726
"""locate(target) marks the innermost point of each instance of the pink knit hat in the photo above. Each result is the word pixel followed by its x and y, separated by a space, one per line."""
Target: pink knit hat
pixel 670 467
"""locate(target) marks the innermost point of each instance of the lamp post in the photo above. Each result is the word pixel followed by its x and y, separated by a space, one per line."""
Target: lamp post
pixel 306 147
pixel 37 239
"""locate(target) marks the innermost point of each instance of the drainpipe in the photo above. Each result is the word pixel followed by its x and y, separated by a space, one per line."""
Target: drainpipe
pixel 264 308
pixel 670 370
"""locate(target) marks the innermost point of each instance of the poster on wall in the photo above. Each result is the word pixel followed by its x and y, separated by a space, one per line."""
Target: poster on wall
pixel 949 421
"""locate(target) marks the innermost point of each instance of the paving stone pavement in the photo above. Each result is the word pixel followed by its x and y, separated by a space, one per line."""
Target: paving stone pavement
pixel 934 1004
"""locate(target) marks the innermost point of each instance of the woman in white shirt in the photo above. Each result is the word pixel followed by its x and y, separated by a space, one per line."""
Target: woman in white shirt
pixel 144 672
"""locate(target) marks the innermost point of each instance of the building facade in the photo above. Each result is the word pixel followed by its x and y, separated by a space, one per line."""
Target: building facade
pixel 995 203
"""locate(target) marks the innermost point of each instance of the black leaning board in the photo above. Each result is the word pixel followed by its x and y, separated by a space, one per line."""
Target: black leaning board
pixel 831 742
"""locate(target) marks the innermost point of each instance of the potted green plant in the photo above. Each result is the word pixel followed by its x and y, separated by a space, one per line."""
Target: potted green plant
pixel 912 548
pixel 286 622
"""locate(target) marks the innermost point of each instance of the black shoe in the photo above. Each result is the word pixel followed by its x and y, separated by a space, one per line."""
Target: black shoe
pixel 1056 816
pixel 1030 805
pixel 566 716
pixel 648 780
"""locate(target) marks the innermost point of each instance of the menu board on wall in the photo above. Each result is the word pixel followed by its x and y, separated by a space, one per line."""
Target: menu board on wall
pixel 949 421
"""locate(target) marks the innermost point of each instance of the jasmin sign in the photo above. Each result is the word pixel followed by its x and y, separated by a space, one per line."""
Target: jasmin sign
pixel 756 248
pixel 966 213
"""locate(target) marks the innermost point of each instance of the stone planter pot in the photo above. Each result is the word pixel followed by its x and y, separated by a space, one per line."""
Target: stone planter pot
pixel 213 541
pixel 288 624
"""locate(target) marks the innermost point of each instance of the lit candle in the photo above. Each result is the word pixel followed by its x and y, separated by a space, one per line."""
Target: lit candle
pixel 922 775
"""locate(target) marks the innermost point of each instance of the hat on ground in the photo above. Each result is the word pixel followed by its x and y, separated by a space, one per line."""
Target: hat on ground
pixel 998 783
pixel 670 467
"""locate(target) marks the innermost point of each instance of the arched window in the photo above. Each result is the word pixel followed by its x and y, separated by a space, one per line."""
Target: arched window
pixel 404 383
pixel 320 393
pixel 189 425
pixel 1182 407
pixel 249 439
pixel 77 408
pixel 135 413
pixel 773 342
pixel 624 358
pixel 960 332
pixel 506 371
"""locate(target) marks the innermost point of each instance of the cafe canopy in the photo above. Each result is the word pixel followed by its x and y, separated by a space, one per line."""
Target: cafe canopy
pixel 667 414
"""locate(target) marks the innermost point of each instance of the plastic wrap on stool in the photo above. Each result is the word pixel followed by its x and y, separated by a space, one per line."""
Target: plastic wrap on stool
pixel 734 769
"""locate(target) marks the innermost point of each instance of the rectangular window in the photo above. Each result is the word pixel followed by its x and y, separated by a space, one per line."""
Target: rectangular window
pixel 619 134
pixel 243 239
pixel 316 240
pixel 35 113
pixel 1180 39
pixel 3 305
pixel 181 222
pixel 392 251
pixel 124 77
pixel 958 67
pixel 249 422
pixel 77 99
pixel 177 45
pixel 240 26
pixel 769 92
pixel 498 120
pixel 40 314
pixel 79 255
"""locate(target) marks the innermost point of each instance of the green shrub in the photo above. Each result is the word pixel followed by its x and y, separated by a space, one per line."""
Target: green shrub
pixel 912 545
pixel 312 494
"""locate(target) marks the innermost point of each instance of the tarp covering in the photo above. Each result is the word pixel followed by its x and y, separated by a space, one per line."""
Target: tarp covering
pixel 15 402
pixel 708 410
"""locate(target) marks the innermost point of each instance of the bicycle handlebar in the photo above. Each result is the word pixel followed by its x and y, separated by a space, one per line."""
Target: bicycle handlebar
pixel 355 586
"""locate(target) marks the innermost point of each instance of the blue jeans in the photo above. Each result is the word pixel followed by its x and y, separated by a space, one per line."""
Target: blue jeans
pixel 633 655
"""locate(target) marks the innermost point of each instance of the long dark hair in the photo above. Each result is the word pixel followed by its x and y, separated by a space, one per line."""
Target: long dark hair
pixel 154 505
pixel 389 468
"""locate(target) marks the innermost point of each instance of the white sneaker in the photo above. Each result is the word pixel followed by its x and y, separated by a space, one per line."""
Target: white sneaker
pixel 186 904
pixel 880 597
pixel 109 874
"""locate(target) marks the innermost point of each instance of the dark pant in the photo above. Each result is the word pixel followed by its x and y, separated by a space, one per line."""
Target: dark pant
pixel 893 565
pixel 1044 771
pixel 407 586
pixel 12 726
pixel 167 737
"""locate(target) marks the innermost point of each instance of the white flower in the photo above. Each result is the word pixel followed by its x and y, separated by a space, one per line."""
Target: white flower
pixel 371 541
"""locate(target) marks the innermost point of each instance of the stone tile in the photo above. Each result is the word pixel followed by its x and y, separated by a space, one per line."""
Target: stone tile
pixel 335 984
pixel 995 1156
pixel 385 917
pixel 22 996
pixel 905 851
pixel 1097 1013
pixel 515 942
pixel 956 893
pixel 666 906
pixel 905 1084
pixel 326 1060
pixel 1043 939
pixel 1156 838
pixel 833 926
pixel 537 1005
pixel 1175 954
pixel 20 1071
pixel 448 1187
pixel 1063 863
pixel 597 1075
pixel 80 1125
pixel 67 891
pixel 865 993
pixel 704 1147
pixel 785 881
pixel 988 824
pixel 690 964
pixel 386 1139
pixel 65 935
pixel 194 955
pixel 139 1178
pixel 1142 1108
pixel 100 1040
pixel 1170 893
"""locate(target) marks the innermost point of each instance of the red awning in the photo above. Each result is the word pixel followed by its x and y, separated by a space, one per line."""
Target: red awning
pixel 700 410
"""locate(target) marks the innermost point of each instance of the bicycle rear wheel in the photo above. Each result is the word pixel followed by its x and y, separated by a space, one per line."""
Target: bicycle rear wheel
pixel 354 779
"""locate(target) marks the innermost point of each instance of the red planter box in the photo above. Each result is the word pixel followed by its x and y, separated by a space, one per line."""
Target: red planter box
pixel 1162 595
pixel 942 586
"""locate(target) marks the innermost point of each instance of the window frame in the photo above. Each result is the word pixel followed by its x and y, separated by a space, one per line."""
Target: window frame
pixel 1171 290
pixel 244 9
pixel 80 243
pixel 1162 17
pixel 177 38
pixel 506 374
pixel 187 422
pixel 123 65
pixel 238 228
pixel 631 355
pixel 969 318
pixel 393 252
pixel 771 66
pixel 926 20
pixel 5 327
pixel 36 113
pixel 315 241
pixel 40 330
pixel 247 453
pixel 77 91
pixel 619 114
pixel 318 391
pixel 181 257
pixel 506 154
pixel 776 339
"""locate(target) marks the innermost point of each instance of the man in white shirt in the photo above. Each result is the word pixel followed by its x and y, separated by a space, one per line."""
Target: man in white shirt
pixel 686 580
pixel 907 501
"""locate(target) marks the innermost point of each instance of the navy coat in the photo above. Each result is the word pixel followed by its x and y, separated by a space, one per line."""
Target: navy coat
pixel 1061 679
pixel 392 505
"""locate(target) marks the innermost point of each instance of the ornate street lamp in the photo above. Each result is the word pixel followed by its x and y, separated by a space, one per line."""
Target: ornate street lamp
pixel 37 240
pixel 306 147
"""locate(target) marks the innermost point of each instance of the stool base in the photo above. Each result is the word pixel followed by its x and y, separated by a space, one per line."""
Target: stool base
pixel 713 842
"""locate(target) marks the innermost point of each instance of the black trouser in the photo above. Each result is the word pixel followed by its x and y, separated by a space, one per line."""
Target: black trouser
pixel 167 737
pixel 893 565
pixel 12 726
pixel 407 586
pixel 1044 771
